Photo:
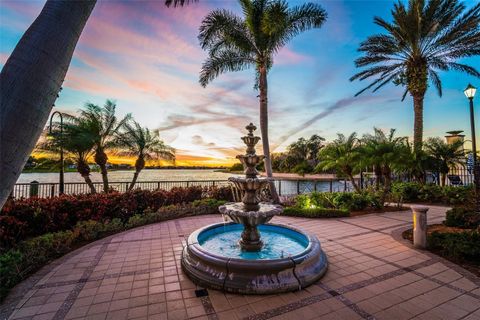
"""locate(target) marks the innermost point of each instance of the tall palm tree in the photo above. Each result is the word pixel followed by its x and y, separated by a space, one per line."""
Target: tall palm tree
pixel 445 155
pixel 385 153
pixel 31 79
pixel 102 125
pixel 78 146
pixel 237 43
pixel 44 51
pixel 143 144
pixel 343 156
pixel 425 36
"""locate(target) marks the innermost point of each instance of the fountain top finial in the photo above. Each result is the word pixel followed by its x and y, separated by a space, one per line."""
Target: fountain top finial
pixel 251 127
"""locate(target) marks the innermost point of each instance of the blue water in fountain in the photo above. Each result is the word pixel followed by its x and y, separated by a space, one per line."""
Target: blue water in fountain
pixel 278 242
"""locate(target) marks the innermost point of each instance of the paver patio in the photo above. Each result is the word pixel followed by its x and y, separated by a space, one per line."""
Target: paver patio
pixel 137 275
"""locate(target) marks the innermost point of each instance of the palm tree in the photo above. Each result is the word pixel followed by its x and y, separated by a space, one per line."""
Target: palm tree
pixel 78 146
pixel 31 79
pixel 144 144
pixel 445 155
pixel 44 51
pixel 423 38
pixel 102 125
pixel 385 153
pixel 234 43
pixel 343 156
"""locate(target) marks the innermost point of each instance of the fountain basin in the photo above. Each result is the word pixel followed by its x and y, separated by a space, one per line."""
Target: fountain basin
pixel 289 261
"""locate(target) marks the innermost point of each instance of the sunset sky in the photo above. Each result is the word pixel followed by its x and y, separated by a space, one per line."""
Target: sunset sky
pixel 147 58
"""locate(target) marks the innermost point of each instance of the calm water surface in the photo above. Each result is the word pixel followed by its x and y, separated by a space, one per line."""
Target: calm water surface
pixel 125 176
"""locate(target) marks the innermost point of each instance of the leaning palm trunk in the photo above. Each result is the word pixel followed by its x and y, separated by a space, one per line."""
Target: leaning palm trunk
pixel 354 183
pixel 84 170
pixel 139 165
pixel 418 122
pixel 31 79
pixel 264 130
pixel 101 159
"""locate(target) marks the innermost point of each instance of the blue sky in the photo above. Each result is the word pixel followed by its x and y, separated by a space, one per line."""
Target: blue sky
pixel 147 58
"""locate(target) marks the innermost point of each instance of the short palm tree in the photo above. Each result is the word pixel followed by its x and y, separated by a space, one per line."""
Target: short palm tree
pixel 384 152
pixel 343 156
pixel 235 43
pixel 445 156
pixel 78 146
pixel 424 37
pixel 143 144
pixel 102 125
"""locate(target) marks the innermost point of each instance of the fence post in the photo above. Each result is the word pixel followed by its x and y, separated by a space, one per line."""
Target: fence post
pixel 279 187
pixel 188 184
pixel 331 185
pixel 214 183
pixel 52 190
pixel 298 186
pixel 315 185
pixel 33 192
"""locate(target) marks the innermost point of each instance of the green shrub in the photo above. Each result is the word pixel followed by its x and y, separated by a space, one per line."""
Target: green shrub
pixel 323 199
pixel 315 212
pixel 303 201
pixel 462 218
pixel 351 201
pixel 462 245
pixel 458 195
pixel 405 191
pixel 431 193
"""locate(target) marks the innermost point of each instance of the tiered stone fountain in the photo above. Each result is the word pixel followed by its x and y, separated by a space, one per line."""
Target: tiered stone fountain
pixel 234 257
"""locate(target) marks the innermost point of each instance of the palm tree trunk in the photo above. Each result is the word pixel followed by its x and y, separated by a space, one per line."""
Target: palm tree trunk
pixel 443 179
pixel 134 180
pixel 101 159
pixel 418 122
pixel 89 183
pixel 354 184
pixel 84 170
pixel 139 165
pixel 31 79
pixel 264 130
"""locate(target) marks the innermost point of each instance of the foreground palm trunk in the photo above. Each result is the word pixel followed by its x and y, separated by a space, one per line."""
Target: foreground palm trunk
pixel 418 122
pixel 264 130
pixel 31 80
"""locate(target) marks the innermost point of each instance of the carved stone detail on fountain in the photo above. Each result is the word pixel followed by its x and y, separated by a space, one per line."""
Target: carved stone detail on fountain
pixel 250 212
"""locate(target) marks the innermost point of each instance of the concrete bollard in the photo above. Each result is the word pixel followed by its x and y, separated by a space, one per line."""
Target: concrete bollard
pixel 419 215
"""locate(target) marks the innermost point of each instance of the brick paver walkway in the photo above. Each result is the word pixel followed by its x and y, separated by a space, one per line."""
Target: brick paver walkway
pixel 137 275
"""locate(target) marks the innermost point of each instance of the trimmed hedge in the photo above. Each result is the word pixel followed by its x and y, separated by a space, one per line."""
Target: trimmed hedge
pixel 462 218
pixel 25 218
pixel 30 255
pixel 432 193
pixel 315 212
pixel 460 246
pixel 350 201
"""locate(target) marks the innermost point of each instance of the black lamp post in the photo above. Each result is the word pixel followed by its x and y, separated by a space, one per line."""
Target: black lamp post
pixel 470 94
pixel 61 188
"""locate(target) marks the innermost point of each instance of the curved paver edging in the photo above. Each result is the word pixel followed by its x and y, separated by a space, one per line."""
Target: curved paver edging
pixel 397 235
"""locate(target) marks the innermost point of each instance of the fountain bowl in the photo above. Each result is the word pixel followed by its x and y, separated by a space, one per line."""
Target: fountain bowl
pixel 253 272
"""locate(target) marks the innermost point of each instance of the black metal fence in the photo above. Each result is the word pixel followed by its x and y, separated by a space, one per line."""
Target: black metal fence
pixel 284 187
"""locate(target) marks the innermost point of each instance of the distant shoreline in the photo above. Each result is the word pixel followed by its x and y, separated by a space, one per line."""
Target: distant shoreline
pixel 218 169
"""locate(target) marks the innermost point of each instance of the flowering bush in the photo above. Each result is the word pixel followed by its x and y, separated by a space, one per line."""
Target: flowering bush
pixel 20 219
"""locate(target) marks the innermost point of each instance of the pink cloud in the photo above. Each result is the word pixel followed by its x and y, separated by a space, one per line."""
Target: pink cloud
pixel 287 56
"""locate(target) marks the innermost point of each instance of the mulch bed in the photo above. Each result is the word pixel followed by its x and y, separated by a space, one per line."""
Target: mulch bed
pixel 473 268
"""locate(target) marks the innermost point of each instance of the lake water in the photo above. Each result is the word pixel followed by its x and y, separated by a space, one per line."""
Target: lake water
pixel 116 178
pixel 126 176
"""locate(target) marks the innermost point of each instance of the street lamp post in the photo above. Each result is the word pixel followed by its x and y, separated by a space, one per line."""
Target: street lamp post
pixel 470 94
pixel 61 188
